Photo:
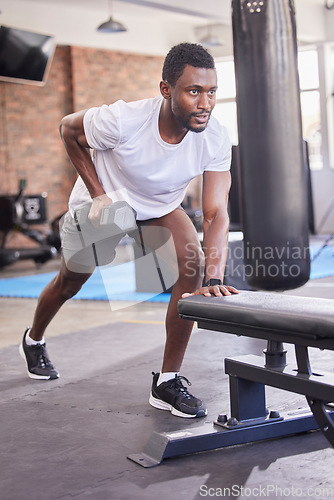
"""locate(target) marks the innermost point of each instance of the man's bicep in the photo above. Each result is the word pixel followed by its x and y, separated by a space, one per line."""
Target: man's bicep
pixel 72 126
pixel 216 188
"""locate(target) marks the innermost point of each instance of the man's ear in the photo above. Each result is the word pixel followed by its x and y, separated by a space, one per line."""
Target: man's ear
pixel 165 89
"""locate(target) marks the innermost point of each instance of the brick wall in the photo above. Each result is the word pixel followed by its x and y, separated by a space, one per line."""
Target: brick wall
pixel 30 143
pixel 103 77
pixel 30 146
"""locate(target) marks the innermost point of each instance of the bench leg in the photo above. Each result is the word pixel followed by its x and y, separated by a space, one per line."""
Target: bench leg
pixel 249 421
pixel 225 432
pixel 317 406
pixel 247 399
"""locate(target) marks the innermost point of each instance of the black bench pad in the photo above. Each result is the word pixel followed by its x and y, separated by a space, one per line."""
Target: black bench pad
pixel 265 315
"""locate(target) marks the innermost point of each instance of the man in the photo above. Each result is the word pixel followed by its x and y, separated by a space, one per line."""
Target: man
pixel 149 150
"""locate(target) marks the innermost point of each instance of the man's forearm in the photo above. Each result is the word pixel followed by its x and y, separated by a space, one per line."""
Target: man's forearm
pixel 77 149
pixel 83 164
pixel 215 246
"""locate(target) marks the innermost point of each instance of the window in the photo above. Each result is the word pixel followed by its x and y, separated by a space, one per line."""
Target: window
pixel 226 108
pixel 226 114
pixel 330 106
pixel 310 103
pixel 226 80
pixel 308 68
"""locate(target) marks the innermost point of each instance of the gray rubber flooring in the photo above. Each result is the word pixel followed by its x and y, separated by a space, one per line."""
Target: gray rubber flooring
pixel 70 438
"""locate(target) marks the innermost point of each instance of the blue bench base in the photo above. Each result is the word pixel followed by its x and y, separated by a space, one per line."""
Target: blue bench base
pixel 276 318
pixel 249 421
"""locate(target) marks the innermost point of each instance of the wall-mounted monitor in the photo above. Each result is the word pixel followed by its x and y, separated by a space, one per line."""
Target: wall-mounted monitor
pixel 25 56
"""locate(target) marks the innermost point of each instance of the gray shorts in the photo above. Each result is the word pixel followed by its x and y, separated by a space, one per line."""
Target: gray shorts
pixel 84 250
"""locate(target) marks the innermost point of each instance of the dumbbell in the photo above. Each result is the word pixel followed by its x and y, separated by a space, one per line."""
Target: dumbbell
pixel 117 219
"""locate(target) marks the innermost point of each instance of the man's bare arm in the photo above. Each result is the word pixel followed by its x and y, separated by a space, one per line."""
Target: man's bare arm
pixel 216 187
pixel 73 135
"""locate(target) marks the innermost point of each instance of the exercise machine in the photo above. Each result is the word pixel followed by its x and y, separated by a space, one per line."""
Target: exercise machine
pixel 23 214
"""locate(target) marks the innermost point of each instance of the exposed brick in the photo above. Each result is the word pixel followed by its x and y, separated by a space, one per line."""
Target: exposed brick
pixel 103 77
pixel 29 133
pixel 30 145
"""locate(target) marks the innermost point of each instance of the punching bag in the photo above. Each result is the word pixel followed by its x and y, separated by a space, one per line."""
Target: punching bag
pixel 272 162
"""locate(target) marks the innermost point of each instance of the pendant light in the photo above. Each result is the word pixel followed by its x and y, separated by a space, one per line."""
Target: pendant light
pixel 110 26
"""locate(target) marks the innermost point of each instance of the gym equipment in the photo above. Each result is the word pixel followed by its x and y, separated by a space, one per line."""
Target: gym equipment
pixel 273 176
pixel 277 318
pixel 17 214
pixel 116 218
pixel 98 243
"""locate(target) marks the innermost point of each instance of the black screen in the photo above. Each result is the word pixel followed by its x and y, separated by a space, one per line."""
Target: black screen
pixel 25 56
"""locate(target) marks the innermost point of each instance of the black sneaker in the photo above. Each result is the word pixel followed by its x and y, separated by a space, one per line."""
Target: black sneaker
pixel 173 396
pixel 38 362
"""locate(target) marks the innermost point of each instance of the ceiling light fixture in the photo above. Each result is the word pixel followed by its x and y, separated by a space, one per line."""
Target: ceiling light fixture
pixel 211 40
pixel 111 26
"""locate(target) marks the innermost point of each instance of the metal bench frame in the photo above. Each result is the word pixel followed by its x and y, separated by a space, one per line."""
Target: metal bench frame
pixel 248 376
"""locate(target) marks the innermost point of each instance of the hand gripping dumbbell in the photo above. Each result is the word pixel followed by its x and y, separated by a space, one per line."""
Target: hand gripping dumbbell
pixel 117 219
pixel 120 215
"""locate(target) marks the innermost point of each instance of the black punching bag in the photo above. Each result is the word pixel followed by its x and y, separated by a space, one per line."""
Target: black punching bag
pixel 272 165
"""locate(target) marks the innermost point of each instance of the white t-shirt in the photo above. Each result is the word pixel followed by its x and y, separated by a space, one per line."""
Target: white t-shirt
pixel 134 163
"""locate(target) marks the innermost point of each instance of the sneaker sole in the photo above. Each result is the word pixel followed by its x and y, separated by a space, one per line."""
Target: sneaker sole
pixel 33 375
pixel 162 405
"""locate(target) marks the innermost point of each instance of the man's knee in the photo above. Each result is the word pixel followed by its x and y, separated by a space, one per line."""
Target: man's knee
pixel 70 286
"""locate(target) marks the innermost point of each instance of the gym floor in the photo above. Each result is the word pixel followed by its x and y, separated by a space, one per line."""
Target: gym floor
pixel 70 438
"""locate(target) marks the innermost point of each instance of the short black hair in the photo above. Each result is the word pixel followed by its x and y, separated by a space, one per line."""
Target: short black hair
pixel 180 55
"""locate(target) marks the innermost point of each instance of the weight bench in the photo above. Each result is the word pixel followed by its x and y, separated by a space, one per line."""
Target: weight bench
pixel 277 318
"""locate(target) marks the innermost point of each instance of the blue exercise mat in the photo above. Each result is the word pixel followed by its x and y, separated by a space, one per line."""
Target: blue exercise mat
pixel 322 265
pixel 113 283
pixel 118 282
